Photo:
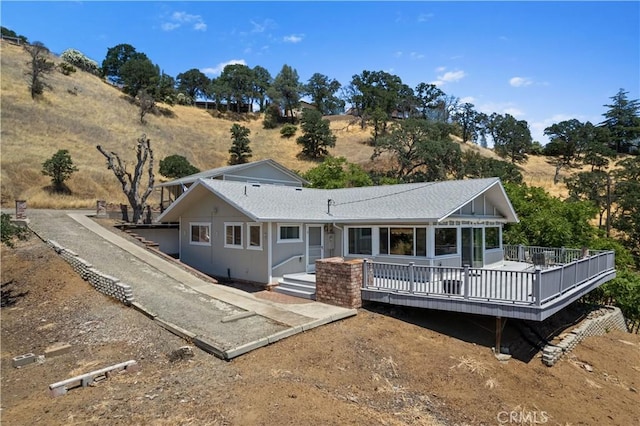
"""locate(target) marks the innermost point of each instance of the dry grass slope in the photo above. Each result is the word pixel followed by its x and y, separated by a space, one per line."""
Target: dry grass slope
pixel 82 111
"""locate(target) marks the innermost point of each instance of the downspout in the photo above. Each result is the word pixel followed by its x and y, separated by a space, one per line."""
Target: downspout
pixel 270 252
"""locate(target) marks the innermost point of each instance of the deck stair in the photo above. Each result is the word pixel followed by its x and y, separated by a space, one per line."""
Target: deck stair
pixel 298 285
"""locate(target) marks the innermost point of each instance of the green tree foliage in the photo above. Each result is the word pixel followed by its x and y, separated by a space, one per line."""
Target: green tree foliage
pixel 337 172
pixel 39 68
pixel 286 90
pixel 59 167
pixel 116 57
pixel 177 166
pixel 131 182
pixel 79 60
pixel 428 98
pixel 240 150
pixel 193 83
pixel 594 187
pixel 271 117
pixel 374 90
pixel 262 80
pixel 322 91
pixel 469 121
pixel 236 81
pixel 477 166
pixel 288 130
pixel 627 196
pixel 548 221
pixel 511 137
pixel 139 73
pixel 567 141
pixel 9 232
pixel 623 291
pixel 422 151
pixel 623 121
pixel 317 135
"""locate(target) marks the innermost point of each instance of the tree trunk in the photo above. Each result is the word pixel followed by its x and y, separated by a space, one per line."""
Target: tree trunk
pixel 131 183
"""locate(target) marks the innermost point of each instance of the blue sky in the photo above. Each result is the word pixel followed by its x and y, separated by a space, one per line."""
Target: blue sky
pixel 542 62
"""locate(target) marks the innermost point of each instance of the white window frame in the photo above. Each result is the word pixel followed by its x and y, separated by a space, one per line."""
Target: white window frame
pixel 458 241
pixel 374 240
pixel 290 240
pixel 199 224
pixel 234 225
pixel 249 226
pixel 499 247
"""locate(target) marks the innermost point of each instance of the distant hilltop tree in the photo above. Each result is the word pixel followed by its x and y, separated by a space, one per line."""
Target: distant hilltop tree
pixel 6 32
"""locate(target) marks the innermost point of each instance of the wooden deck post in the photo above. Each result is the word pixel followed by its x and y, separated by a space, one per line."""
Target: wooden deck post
pixel 498 335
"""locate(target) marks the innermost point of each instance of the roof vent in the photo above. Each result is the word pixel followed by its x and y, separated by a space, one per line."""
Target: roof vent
pixel 298 189
pixel 256 185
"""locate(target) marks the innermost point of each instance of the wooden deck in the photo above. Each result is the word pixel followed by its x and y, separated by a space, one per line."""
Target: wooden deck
pixel 516 289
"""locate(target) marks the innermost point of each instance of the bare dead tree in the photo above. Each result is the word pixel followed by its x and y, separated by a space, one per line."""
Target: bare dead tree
pixel 39 67
pixel 131 183
pixel 146 103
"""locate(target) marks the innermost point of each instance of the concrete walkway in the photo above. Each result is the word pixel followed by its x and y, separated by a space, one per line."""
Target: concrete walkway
pixel 222 320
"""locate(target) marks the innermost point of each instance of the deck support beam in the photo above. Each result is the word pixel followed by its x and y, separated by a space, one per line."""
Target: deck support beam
pixel 500 324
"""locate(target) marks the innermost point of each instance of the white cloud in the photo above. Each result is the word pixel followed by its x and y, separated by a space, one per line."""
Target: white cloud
pixel 467 100
pixel 520 81
pixel 447 77
pixel 220 67
pixel 200 26
pixel 424 17
pixel 416 55
pixel 293 38
pixel 398 54
pixel 260 27
pixel 169 26
pixel 177 19
pixel 517 113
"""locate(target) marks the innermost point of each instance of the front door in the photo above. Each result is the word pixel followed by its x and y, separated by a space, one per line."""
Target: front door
pixel 472 247
pixel 315 246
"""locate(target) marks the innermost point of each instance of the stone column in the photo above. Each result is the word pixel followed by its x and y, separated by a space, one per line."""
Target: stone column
pixel 339 282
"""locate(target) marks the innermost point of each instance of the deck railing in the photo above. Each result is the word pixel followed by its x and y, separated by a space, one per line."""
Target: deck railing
pixel 535 285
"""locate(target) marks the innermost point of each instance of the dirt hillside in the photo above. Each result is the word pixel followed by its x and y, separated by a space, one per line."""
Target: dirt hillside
pixel 82 111
pixel 384 366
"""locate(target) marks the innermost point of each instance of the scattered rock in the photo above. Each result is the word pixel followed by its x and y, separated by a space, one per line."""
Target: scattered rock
pixel 182 353
pixel 588 368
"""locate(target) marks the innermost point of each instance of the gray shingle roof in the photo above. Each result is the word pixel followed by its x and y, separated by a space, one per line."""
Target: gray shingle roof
pixel 428 201
pixel 225 170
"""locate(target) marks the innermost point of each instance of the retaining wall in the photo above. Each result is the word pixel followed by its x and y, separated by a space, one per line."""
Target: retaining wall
pixel 104 283
pixel 598 322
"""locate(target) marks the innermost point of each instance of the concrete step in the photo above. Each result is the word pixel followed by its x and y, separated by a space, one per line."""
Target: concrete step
pixel 296 292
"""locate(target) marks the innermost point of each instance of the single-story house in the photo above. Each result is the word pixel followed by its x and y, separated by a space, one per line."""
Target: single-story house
pixel 260 231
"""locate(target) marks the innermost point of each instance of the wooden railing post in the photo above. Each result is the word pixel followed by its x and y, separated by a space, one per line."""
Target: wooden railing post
pixel 412 277
pixel 537 287
pixel 465 285
pixel 365 273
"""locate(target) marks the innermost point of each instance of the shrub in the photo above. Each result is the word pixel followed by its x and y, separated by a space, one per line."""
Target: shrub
pixel 66 68
pixel 60 167
pixel 176 166
pixel 9 231
pixel 288 130
pixel 271 117
pixel 78 59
